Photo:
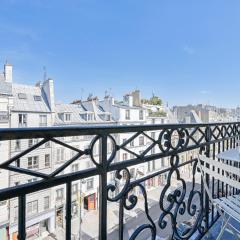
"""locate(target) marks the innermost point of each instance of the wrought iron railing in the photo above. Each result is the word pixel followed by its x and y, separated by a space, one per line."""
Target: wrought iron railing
pixel 172 141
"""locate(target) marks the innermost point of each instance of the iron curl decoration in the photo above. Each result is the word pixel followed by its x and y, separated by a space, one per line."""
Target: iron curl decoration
pixel 133 199
pixel 176 204
pixel 113 151
pixel 166 137
pixel 113 187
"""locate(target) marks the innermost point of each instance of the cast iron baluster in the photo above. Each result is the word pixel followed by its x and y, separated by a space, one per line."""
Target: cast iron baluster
pixel 22 217
pixel 68 209
pixel 121 216
pixel 218 182
pixel 213 179
pixel 103 187
pixel 207 153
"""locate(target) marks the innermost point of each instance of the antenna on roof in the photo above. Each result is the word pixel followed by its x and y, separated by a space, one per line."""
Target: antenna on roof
pixel 44 73
pixel 82 91
pixel 110 92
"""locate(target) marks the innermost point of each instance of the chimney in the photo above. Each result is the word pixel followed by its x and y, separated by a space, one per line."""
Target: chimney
pixel 48 88
pixel 8 69
pixel 136 98
pixel 128 99
pixel 108 103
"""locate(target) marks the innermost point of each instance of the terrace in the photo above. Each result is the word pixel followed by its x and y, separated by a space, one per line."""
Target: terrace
pixel 180 209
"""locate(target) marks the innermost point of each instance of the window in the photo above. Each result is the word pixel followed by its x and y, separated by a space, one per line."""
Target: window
pixel 42 120
pixel 141 140
pixel 90 117
pixel 153 121
pixel 74 188
pixel 153 135
pixel 47 160
pixel 32 180
pixel 60 154
pixel 46 203
pixel 67 117
pixel 30 142
pixel 89 183
pixel 22 120
pixel 125 156
pixel 37 98
pixel 132 143
pixel 163 162
pixel 33 162
pixel 17 163
pixel 140 114
pixel 153 150
pixel 127 114
pixel 153 165
pixel 32 207
pixel 15 214
pixel 47 144
pixel 124 140
pixel 22 96
pixel 149 166
pixel 75 167
pixel 17 145
pixel 16 183
pixel 59 193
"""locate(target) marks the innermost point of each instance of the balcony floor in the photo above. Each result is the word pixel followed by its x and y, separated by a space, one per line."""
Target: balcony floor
pixel 215 230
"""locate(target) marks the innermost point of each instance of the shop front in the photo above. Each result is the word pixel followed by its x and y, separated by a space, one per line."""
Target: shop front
pixel 90 202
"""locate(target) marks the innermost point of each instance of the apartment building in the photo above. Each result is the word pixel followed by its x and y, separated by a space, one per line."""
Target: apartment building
pixel 32 107
pixel 85 192
pixel 35 106
pixel 6 104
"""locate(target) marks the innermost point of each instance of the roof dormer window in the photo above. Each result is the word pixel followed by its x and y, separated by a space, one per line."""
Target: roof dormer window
pixel 22 96
pixel 90 117
pixel 37 98
pixel 67 117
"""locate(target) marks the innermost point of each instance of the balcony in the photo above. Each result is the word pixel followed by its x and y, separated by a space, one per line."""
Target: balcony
pixel 166 202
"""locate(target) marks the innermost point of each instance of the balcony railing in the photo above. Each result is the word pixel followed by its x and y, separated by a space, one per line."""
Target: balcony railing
pixel 171 141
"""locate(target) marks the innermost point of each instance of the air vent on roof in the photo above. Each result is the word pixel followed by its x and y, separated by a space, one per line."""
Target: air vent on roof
pixel 37 98
pixel 22 96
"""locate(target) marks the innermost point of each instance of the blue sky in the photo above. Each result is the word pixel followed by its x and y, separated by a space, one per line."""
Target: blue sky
pixel 183 51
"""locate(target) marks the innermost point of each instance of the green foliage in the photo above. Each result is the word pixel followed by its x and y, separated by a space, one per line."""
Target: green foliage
pixel 157 114
pixel 154 100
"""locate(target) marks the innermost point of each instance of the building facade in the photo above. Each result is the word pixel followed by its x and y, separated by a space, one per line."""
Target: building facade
pixel 24 106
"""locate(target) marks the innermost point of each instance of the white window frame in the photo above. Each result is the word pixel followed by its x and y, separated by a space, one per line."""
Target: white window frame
pixel 22 120
pixel 43 120
pixel 33 162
